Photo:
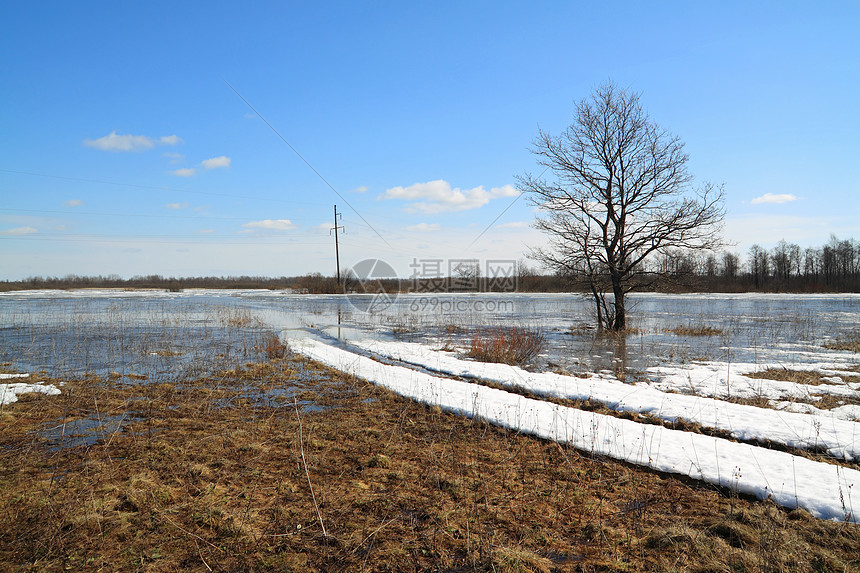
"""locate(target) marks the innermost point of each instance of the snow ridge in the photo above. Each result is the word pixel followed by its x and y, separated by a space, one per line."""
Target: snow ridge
pixel 818 431
pixel 825 490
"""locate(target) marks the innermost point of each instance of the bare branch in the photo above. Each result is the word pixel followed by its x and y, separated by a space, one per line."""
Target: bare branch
pixel 621 193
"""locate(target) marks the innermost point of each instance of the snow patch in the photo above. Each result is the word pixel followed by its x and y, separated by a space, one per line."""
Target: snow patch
pixel 9 392
pixel 825 490
pixel 805 429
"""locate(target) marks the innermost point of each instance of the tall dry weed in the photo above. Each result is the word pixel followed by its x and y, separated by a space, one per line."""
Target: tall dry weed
pixel 515 345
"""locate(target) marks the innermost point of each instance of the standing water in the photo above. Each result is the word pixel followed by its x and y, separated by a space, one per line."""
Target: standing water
pixel 163 335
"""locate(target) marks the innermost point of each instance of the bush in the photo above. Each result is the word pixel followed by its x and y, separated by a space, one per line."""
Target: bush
pixel 507 345
pixel 695 331
pixel 274 348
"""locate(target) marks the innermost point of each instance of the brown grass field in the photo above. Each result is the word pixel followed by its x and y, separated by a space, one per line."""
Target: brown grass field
pixel 231 473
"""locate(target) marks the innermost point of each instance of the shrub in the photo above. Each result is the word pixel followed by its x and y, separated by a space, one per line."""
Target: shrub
pixel 274 348
pixel 695 331
pixel 507 345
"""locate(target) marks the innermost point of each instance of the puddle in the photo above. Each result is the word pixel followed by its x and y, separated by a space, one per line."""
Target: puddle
pixel 84 432
pixel 274 398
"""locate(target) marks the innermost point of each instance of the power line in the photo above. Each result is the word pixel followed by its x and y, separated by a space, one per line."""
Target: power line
pixel 499 216
pixel 306 162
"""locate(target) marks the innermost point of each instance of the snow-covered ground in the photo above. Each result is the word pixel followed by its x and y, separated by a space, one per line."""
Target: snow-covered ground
pixel 9 391
pixel 723 380
pixel 825 490
pixel 817 430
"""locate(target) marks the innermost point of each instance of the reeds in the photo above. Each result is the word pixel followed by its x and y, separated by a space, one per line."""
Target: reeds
pixel 274 348
pixel 850 343
pixel 697 330
pixel 512 345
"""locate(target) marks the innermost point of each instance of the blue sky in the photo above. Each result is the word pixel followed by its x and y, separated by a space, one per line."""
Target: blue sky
pixel 125 151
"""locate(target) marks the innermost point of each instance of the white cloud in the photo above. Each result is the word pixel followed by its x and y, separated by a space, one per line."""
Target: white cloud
pixel 362 189
pixel 271 224
pixel 514 225
pixel 216 162
pixel 20 231
pixel 73 203
pixel 424 227
pixel 115 142
pixel 776 199
pixel 184 172
pixel 174 157
pixel 439 197
pixel 177 205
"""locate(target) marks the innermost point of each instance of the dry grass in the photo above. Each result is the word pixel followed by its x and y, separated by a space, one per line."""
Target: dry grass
pixel 208 478
pixel 237 318
pixel 823 401
pixel 274 348
pixel 851 344
pixel 514 345
pixel 628 331
pixel 690 330
pixel 587 329
pixel 798 376
pixel 581 329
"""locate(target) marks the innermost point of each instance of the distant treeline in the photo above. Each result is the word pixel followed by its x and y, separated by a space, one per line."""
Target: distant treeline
pixel 834 267
pixel 308 283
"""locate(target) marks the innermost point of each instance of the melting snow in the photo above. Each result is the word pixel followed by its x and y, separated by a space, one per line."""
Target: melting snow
pixel 9 392
pixel 806 429
pixel 825 490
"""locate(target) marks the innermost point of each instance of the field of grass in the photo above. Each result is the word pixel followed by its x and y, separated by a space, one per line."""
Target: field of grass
pixel 285 465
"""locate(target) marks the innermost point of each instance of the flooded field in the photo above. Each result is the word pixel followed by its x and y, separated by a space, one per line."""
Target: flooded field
pixel 163 335
pixel 151 430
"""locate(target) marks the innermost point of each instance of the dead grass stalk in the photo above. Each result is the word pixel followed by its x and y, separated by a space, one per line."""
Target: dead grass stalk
pixel 515 345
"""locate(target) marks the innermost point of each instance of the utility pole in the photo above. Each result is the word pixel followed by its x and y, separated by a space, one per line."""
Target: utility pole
pixel 336 248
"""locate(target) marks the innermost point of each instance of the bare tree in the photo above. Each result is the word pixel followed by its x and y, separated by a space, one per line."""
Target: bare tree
pixel 731 262
pixel 759 263
pixel 781 260
pixel 620 192
pixel 810 262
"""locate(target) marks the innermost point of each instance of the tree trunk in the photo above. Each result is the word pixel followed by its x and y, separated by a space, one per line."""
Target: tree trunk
pixel 620 322
pixel 596 296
